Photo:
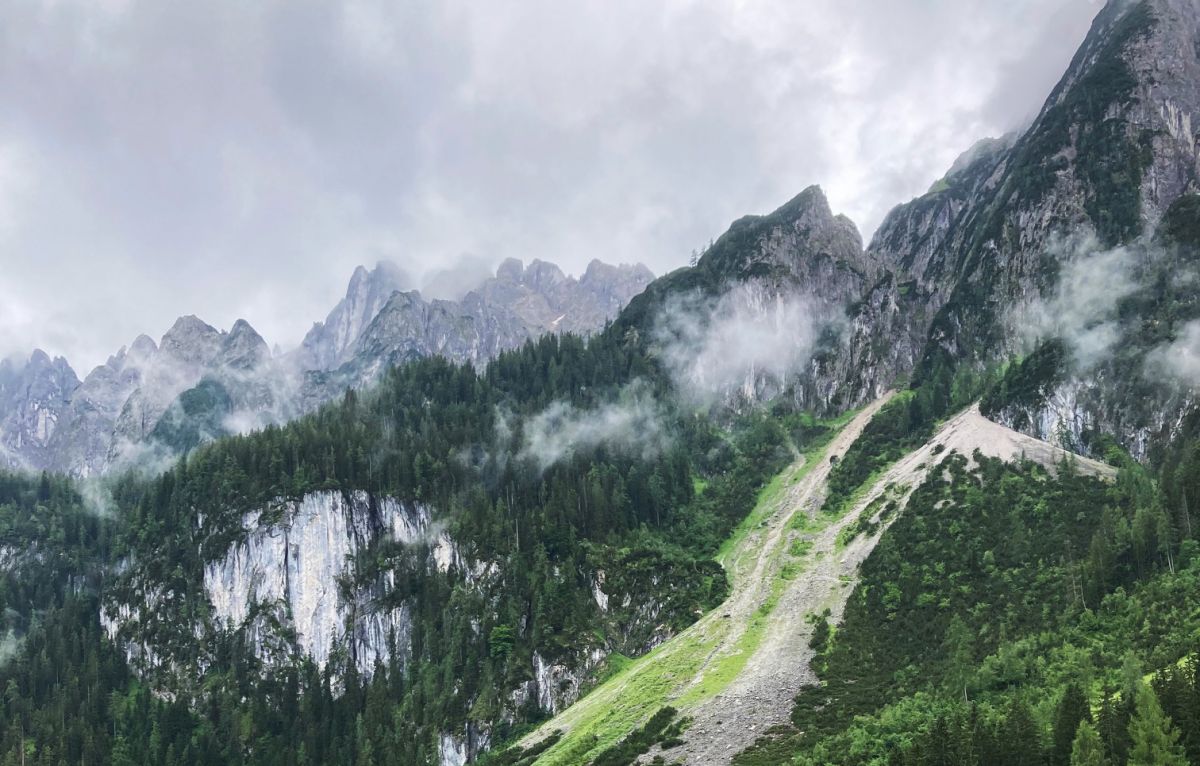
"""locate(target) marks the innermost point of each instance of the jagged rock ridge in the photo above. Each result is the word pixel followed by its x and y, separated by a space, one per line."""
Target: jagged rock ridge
pixel 154 400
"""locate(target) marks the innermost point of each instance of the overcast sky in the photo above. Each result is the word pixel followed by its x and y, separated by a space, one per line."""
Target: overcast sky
pixel 239 159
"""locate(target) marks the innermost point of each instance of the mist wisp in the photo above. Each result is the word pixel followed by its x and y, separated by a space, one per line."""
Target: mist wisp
pixel 1082 310
pixel 1178 360
pixel 633 423
pixel 716 347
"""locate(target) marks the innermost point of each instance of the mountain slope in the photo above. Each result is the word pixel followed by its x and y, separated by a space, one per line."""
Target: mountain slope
pixel 831 310
pixel 735 672
pixel 33 398
pixel 561 479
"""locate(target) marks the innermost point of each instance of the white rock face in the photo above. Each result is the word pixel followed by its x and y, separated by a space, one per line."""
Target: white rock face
pixel 556 686
pixel 452 751
pixel 598 592
pixel 139 654
pixel 458 749
pixel 293 570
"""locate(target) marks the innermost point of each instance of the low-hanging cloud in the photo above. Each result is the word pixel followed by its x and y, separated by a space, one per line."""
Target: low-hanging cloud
pixel 457 278
pixel 1082 310
pixel 1178 360
pixel 747 337
pixel 10 645
pixel 633 423
pixel 97 497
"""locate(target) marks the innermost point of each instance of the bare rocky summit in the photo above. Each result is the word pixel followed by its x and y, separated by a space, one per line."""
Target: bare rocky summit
pixel 152 400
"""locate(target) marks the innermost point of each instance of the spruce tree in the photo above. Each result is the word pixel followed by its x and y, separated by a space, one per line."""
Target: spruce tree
pixel 1154 741
pixel 1020 740
pixel 1087 749
pixel 1072 709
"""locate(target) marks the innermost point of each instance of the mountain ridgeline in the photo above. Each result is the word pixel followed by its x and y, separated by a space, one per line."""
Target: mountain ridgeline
pixel 151 401
pixel 807 501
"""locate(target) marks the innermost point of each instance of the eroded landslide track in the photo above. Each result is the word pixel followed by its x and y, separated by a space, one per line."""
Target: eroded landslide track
pixel 821 575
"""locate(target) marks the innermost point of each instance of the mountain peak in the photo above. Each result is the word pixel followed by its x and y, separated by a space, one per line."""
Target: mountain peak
pixel 542 275
pixel 41 363
pixel 190 340
pixel 243 347
pixel 242 327
pixel 325 345
pixel 188 324
pixel 510 270
pixel 811 202
pixel 981 149
pixel 143 346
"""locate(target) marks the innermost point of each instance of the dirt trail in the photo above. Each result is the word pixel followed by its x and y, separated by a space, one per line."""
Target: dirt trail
pixel 789 567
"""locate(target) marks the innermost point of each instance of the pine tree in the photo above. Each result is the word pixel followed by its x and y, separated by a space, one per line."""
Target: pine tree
pixel 1087 749
pixel 1154 740
pixel 958 646
pixel 1072 709
pixel 1020 741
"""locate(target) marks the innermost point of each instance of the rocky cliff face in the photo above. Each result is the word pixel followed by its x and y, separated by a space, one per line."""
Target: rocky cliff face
pixel 293 586
pixel 81 446
pixel 328 578
pixel 1112 152
pixel 544 299
pixel 327 344
pixel 382 320
pixel 34 397
pixel 788 303
pixel 282 583
pixel 517 304
pixel 409 326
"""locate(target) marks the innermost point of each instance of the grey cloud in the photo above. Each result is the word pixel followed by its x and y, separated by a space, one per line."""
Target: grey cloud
pixel 716 347
pixel 1179 360
pixel 239 159
pixel 457 278
pixel 97 497
pixel 633 423
pixel 1083 307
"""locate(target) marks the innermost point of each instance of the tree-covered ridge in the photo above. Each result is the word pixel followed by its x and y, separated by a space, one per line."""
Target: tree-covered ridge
pixel 50 541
